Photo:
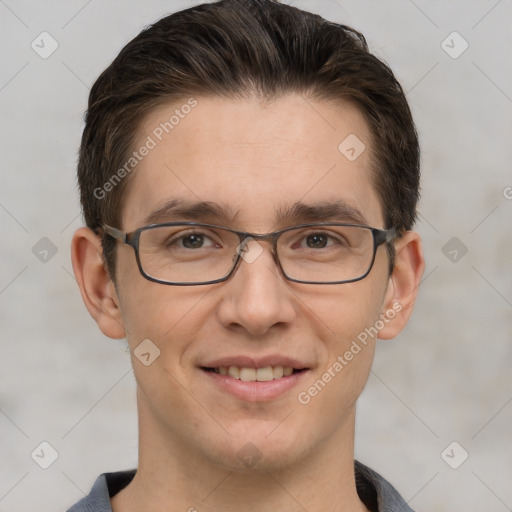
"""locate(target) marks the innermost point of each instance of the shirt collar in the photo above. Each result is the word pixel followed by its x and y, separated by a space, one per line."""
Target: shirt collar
pixel 374 491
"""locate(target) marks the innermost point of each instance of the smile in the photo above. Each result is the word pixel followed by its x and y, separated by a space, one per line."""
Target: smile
pixel 251 384
pixel 246 374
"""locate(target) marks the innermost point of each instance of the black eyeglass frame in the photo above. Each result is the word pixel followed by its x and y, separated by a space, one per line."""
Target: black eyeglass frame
pixel 380 236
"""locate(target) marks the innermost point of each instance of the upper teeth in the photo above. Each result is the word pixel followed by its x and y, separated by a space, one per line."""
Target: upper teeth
pixel 251 374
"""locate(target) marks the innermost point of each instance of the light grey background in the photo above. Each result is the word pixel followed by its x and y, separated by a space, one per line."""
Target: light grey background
pixel 446 378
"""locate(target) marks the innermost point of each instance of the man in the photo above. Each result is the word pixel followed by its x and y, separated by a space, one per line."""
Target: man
pixel 249 176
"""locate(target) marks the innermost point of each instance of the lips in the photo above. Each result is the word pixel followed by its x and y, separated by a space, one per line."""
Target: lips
pixel 252 390
pixel 247 374
pixel 261 362
pixel 247 369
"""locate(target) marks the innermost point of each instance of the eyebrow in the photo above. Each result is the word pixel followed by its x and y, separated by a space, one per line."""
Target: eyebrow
pixel 324 211
pixel 180 209
pixel 297 213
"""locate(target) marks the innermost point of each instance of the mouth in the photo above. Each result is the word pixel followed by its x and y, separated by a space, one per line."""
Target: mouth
pixel 253 382
pixel 250 374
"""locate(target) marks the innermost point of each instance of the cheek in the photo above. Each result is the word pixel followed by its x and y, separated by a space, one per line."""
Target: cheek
pixel 345 318
pixel 162 313
pixel 342 312
pixel 350 342
pixel 152 310
pixel 169 317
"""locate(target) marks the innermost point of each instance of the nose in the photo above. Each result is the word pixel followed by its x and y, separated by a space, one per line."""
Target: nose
pixel 257 297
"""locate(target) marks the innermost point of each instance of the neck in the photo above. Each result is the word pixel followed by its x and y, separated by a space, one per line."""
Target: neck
pixel 173 476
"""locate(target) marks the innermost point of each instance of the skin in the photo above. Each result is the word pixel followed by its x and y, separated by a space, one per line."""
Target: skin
pixel 253 156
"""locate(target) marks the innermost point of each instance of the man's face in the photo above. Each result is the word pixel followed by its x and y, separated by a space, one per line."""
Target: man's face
pixel 254 160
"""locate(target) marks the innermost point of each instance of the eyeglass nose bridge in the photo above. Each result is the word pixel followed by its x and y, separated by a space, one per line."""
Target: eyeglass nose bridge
pixel 242 253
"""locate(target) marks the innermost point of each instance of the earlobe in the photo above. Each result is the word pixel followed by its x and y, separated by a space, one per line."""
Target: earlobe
pixel 403 284
pixel 97 289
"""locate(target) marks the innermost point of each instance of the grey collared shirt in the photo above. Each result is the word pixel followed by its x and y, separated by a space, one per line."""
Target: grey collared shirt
pixel 374 491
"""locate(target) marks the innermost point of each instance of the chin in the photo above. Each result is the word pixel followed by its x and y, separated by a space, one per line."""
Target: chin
pixel 261 448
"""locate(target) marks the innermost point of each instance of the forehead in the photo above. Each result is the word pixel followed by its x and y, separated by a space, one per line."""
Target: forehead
pixel 254 161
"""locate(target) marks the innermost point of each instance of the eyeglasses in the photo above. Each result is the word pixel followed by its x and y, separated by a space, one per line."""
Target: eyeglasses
pixel 191 253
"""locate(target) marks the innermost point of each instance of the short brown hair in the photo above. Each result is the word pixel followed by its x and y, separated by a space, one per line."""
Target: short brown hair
pixel 238 48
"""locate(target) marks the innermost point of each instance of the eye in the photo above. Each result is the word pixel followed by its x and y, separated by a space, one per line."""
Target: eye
pixel 316 240
pixel 192 241
pixel 320 240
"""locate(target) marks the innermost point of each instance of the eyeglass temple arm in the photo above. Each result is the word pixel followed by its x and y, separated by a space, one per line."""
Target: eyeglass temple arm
pixel 391 234
pixel 114 233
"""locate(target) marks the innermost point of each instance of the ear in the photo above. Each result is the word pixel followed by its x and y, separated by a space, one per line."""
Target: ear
pixel 403 284
pixel 96 286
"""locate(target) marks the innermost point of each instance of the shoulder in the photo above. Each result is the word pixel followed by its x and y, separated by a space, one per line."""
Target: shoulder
pixel 105 486
pixel 376 492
